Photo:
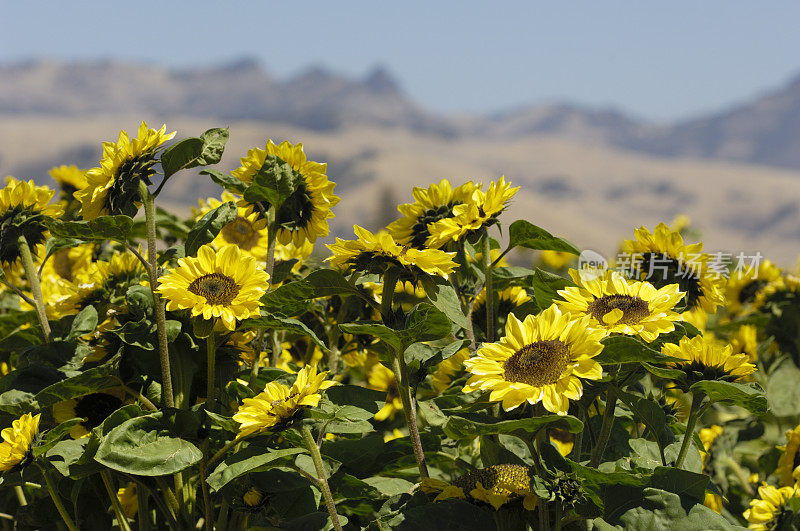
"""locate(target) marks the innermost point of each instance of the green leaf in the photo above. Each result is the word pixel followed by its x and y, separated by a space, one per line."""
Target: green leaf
pixel 424 323
pixel 244 461
pixel 289 299
pixel 207 228
pixel 524 234
pixel 53 436
pixel 89 381
pixel 442 295
pixel 84 323
pixel 225 180
pixel 545 287
pixel 648 411
pixel 749 396
pixel 192 152
pixel 628 349
pixel 274 182
pixel 281 270
pixel 681 482
pixel 459 427
pixel 276 322
pixel 147 446
pixel 783 389
pixel 116 228
pixel 382 332
pixel 650 508
pixel 447 515
pixel 328 282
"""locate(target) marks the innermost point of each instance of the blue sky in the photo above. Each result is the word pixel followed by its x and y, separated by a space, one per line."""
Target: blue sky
pixel 661 61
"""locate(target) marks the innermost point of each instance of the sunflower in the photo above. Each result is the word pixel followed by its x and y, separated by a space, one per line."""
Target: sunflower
pixel 769 510
pixel 707 360
pixel 745 341
pixel 225 284
pixel 70 262
pixel 17 440
pixel 93 408
pixel 783 289
pixel 113 187
pixel 24 209
pixel 743 287
pixel 495 485
pixel 128 499
pixel 540 359
pixel 382 379
pixel 253 497
pixel 616 304
pixel 277 404
pixel 431 204
pixel 70 179
pixel 662 258
pixel 482 210
pixel 507 301
pixel 790 458
pixel 444 372
pixel 304 215
pixel 563 440
pixel 248 231
pixel 375 253
pixel 557 260
pixel 103 283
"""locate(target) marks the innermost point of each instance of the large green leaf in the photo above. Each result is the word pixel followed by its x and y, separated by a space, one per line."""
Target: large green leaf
pixel 650 412
pixel 289 299
pixel 545 287
pixel 83 323
pixel 628 349
pixel 225 180
pixel 116 228
pixel 275 322
pixel 192 152
pixel 460 427
pixel 524 234
pixel 207 228
pixel 442 295
pixel 89 381
pixel 150 445
pixel 244 461
pixel 381 331
pixel 274 182
pixel 783 389
pixel 749 396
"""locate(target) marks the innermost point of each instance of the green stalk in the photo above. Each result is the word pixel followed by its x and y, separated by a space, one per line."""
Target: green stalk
pixel 36 288
pixel 167 398
pixel 122 520
pixel 488 284
pixel 409 410
pixel 322 476
pixel 51 488
pixel 20 495
pixel 256 361
pixel 558 515
pixel 390 278
pixel 211 351
pixel 697 400
pixel 605 431
pixel 143 513
pixel 207 509
pixel 577 445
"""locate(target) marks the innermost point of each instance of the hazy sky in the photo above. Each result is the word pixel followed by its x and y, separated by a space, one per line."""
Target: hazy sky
pixel 662 61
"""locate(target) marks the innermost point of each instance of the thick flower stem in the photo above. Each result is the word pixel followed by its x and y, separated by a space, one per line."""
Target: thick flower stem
pixel 167 397
pixel 605 431
pixel 697 400
pixel 577 445
pixel 23 501
pixel 409 410
pixel 122 520
pixel 211 352
pixel 322 476
pixel 390 279
pixel 486 259
pixel 51 488
pixel 36 288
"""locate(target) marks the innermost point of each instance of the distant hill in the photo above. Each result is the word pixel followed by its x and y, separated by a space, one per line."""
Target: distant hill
pixel 764 130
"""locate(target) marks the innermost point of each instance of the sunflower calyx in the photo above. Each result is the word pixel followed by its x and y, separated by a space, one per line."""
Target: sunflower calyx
pixel 273 183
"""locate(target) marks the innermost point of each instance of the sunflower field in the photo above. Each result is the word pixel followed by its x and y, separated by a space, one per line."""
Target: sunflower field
pixel 224 372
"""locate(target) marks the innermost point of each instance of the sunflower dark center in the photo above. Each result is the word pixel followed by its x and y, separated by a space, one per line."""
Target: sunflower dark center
pixel 749 291
pixel 123 194
pixel 95 408
pixel 539 363
pixel 216 288
pixel 661 270
pixel 419 230
pixel 633 309
pixel 241 232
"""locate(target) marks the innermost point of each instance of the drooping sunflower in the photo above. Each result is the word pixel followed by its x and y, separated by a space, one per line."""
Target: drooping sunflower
pixel 113 187
pixel 790 458
pixel 382 379
pixel 304 215
pixel 661 258
pixel 507 300
pixel 616 304
pixel 93 408
pixel 248 231
pixel 225 284
pixel 70 262
pixel 128 499
pixel 540 359
pixel 447 369
pixel 277 404
pixel 769 511
pixel 431 204
pixel 24 208
pixel 482 210
pixel 375 253
pixel 743 287
pixel 17 439
pixel 495 485
pixel 706 360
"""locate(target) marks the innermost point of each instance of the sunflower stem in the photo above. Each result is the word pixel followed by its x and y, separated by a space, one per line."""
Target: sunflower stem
pixel 167 397
pixel 51 488
pixel 122 520
pixel 322 477
pixel 143 511
pixel 20 495
pixel 211 352
pixel 486 259
pixel 409 410
pixel 390 278
pixel 605 430
pixel 207 508
pixel 697 400
pixel 36 288
pixel 557 517
pixel 577 445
